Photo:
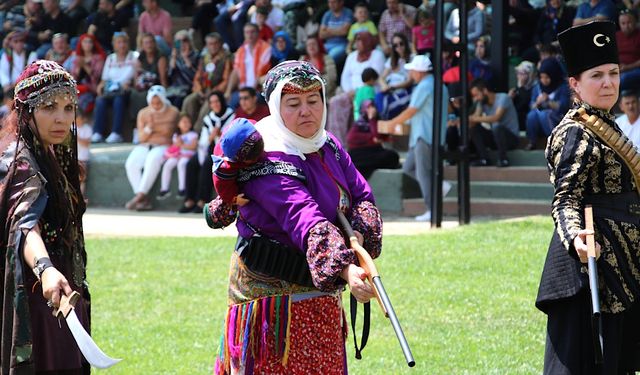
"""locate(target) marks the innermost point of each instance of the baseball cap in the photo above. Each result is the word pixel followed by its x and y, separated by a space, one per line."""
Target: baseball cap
pixel 420 63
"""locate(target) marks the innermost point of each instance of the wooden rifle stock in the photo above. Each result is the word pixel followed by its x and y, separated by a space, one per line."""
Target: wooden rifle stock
pixel 366 262
pixel 596 323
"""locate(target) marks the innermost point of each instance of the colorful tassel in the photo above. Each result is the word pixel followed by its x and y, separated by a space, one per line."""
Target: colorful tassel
pixel 277 326
pixel 287 347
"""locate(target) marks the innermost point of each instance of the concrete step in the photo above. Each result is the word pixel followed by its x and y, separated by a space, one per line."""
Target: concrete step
pixel 534 174
pixel 483 207
pixel 506 190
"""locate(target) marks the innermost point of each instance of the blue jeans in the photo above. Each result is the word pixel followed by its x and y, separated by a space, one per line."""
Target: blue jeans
pixel 538 124
pixel 101 113
pixel 630 80
pixel 337 51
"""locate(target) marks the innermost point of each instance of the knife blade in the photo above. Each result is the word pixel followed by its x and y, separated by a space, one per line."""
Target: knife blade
pixel 91 352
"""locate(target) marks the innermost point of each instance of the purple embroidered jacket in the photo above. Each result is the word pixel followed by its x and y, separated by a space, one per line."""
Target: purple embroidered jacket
pixel 298 209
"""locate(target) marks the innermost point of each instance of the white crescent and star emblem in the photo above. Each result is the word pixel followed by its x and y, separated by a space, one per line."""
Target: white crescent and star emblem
pixel 600 44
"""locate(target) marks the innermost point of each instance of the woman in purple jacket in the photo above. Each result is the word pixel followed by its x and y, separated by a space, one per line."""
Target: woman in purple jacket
pixel 291 263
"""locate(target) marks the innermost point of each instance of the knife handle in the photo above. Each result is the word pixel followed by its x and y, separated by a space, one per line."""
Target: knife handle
pixel 66 304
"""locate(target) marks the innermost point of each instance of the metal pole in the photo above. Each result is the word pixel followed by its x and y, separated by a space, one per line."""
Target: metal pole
pixel 499 41
pixel 464 202
pixel 436 162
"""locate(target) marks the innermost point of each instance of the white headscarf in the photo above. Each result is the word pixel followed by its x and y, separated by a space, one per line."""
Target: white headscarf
pixel 277 137
pixel 160 92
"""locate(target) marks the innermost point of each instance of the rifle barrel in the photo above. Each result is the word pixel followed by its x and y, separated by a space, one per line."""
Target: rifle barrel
pixel 404 345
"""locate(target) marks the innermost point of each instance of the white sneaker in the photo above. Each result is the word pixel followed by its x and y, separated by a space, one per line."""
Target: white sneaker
pixel 97 138
pixel 114 138
pixel 446 187
pixel 424 217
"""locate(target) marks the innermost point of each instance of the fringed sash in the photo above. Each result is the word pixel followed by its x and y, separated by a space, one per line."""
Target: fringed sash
pixel 246 332
pixel 618 142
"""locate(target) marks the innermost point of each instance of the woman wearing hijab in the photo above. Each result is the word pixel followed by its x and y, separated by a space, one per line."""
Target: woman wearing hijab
pixel 282 48
pixel 550 100
pixel 156 125
pixel 526 78
pixel 41 208
pixel 590 163
pixel 291 261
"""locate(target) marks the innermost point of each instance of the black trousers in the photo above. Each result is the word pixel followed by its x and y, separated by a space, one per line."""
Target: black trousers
pixel 569 345
pixel 499 138
pixel 199 179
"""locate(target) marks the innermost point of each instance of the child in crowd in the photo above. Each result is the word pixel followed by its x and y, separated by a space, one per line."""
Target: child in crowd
pixel 363 23
pixel 185 142
pixel 85 131
pixel 423 33
pixel 240 147
pixel 265 32
pixel 365 92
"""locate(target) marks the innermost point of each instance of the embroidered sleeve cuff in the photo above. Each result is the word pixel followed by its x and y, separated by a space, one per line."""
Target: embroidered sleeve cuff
pixel 327 256
pixel 219 214
pixel 366 220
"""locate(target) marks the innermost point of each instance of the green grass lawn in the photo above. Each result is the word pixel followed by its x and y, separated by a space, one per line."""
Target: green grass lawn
pixel 464 296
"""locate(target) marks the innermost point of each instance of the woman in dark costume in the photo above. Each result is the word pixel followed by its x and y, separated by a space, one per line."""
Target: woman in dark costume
pixel 590 166
pixel 41 207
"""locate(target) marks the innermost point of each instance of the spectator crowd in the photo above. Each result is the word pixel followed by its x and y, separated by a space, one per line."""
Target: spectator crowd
pixel 181 89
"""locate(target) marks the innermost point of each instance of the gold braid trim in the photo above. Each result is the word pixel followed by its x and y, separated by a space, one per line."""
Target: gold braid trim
pixel 618 142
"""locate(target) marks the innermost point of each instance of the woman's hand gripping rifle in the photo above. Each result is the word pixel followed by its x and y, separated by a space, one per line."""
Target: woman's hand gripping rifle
pixel 374 279
pixel 596 324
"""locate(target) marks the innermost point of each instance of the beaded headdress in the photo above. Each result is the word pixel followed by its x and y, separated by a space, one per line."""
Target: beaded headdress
pixel 41 81
pixel 304 78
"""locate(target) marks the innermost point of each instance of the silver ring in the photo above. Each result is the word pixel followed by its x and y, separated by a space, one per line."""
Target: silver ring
pixel 50 303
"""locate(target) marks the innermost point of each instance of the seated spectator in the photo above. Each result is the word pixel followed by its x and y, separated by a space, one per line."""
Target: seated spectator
pixel 526 78
pixel 550 101
pixel 423 34
pixel 182 68
pixel 275 15
pixel 365 92
pixel 76 12
pixel 265 33
pixel 595 10
pixel 397 18
pixel 156 126
pixel 521 25
pixel 7 103
pixel 157 22
pixel 628 39
pixel 282 49
pixel 318 57
pixel 494 124
pixel 395 81
pixel 14 59
pixel 60 51
pixel 151 69
pixel 629 121
pixel 16 16
pixel 249 107
pixel 212 74
pixel 88 62
pixel 296 17
pixel 365 146
pixel 203 12
pixel 182 149
pixel 475 25
pixel 555 18
pixel 251 63
pixel 419 115
pixel 32 14
pixel 364 56
pixel 230 22
pixel 199 176
pixel 334 29
pixel 480 65
pixel 362 23
pixel 117 79
pixel 53 22
pixel 105 22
